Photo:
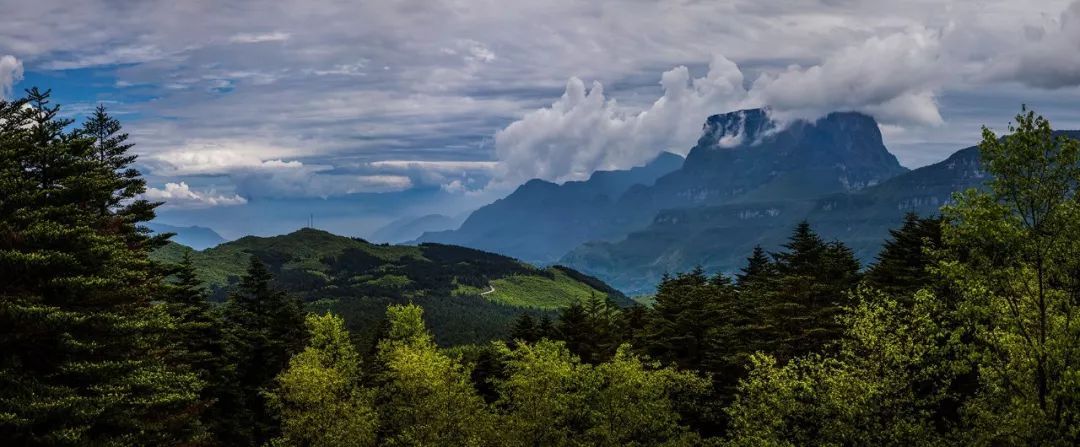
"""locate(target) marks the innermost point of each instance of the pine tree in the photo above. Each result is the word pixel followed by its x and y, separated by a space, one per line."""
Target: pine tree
pixel 82 344
pixel 265 327
pixel 812 284
pixel 758 268
pixel 686 309
pixel 900 269
pixel 545 329
pixel 198 342
pixel 524 329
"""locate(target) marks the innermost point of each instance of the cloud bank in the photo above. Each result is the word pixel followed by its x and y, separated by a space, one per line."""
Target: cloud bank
pixel 180 195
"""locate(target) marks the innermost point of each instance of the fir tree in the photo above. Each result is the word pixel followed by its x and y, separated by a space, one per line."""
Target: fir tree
pixel 524 329
pixel 901 267
pixel 82 344
pixel 265 327
pixel 812 284
pixel 758 268
pixel 198 342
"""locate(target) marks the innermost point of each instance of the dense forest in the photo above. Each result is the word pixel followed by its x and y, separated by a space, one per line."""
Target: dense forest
pixel 961 333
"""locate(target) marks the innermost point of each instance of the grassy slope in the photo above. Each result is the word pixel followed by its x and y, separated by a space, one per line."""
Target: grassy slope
pixel 540 292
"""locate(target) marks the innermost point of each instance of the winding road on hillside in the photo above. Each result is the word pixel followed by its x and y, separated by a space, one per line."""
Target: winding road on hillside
pixel 489 291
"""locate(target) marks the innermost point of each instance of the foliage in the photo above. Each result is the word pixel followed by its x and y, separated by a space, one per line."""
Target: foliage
pixel 265 327
pixel 319 396
pixel 81 339
pixel 1013 254
pixel 425 397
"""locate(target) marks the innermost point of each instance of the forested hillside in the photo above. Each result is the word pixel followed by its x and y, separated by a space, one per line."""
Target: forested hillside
pixel 470 295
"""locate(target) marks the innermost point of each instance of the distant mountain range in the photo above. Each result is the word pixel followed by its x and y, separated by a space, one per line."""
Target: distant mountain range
pixel 195 237
pixel 746 182
pixel 541 221
pixel 409 228
pixel 468 295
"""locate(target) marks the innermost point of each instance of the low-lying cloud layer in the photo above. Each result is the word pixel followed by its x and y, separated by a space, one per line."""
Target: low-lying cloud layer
pixel 180 195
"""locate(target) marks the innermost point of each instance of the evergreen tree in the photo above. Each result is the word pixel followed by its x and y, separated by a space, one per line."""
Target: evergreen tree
pixel 83 347
pixel 545 329
pixel 812 285
pixel 198 342
pixel 265 327
pixel 902 266
pixel 524 329
pixel 686 309
pixel 759 268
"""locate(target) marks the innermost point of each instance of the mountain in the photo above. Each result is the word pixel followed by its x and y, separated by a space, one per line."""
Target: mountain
pixel 719 237
pixel 541 221
pixel 468 295
pixel 411 227
pixel 195 237
pixel 745 156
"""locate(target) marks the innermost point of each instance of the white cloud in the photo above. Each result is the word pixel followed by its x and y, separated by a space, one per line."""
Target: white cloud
pixel 584 131
pixel 443 166
pixel 276 36
pixel 1049 58
pixel 891 77
pixel 11 72
pixel 180 195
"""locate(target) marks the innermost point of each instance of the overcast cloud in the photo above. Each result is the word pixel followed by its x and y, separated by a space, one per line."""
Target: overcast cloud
pixel 300 98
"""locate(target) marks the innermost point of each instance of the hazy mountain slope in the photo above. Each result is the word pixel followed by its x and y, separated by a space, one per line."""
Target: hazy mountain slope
pixel 359 279
pixel 195 236
pixel 720 237
pixel 540 221
pixel 409 228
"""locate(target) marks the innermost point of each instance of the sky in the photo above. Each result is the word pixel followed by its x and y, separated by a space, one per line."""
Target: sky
pixel 249 116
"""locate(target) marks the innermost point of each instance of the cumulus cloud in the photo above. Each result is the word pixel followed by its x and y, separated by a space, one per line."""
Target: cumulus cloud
pixel 180 195
pixel 1049 58
pixel 891 77
pixel 584 130
pixel 11 72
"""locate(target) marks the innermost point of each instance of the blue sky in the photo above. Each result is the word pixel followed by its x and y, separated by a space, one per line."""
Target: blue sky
pixel 250 115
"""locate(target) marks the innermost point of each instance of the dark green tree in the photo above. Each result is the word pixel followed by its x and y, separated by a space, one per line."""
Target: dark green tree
pixel 812 285
pixel 901 268
pixel 759 268
pixel 524 329
pixel 198 343
pixel 264 327
pixel 83 346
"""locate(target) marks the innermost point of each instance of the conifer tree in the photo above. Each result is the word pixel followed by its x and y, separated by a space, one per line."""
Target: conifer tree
pixel 812 285
pixel 758 268
pixel 265 327
pixel 198 342
pixel 524 329
pixel 83 347
pixel 319 396
pixel 901 268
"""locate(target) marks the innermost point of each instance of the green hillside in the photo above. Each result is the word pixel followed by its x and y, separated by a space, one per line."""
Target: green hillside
pixel 358 279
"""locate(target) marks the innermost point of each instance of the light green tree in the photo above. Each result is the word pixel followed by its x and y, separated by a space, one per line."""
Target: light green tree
pixel 893 371
pixel 319 397
pixel 551 398
pixel 425 397
pixel 1013 252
